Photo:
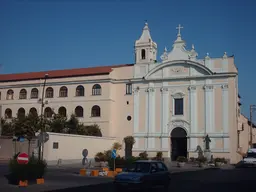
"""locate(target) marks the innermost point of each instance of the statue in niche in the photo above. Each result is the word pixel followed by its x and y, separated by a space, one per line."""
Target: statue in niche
pixel 207 141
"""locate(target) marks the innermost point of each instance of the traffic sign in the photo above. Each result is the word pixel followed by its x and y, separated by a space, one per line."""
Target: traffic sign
pixel 23 158
pixel 85 152
pixel 113 154
pixel 43 137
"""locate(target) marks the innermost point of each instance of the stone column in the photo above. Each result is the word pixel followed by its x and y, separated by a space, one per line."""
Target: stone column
pixel 164 118
pixel 193 117
pixel 225 116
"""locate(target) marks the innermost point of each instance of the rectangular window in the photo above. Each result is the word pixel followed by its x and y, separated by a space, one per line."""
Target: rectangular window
pixel 178 106
pixel 55 145
pixel 128 89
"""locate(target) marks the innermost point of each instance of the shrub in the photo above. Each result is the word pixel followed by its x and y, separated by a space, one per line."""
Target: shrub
pixel 121 162
pixel 182 159
pixel 201 159
pixel 143 155
pixel 129 142
pixel 99 157
pixel 117 146
pixel 33 170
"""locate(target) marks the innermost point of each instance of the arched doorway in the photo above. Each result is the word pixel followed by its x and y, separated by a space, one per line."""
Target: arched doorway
pixel 178 143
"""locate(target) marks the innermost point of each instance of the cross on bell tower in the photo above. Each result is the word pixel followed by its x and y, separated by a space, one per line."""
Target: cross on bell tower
pixel 179 28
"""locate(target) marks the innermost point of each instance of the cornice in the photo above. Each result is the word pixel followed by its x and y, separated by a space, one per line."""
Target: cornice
pixel 117 81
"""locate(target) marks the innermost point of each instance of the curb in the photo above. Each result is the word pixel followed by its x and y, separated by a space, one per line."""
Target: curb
pixel 77 188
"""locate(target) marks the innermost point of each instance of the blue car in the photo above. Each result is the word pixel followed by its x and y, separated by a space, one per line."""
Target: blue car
pixel 143 174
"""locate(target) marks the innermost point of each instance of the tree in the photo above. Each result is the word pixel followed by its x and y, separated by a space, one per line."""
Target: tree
pixel 93 130
pixel 58 124
pixel 28 125
pixel 7 128
pixel 129 142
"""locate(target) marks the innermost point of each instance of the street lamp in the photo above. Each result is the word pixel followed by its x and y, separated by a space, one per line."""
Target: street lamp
pixel 42 126
pixel 252 108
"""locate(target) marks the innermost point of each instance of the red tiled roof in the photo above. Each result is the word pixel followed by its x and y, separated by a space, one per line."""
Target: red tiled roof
pixel 60 73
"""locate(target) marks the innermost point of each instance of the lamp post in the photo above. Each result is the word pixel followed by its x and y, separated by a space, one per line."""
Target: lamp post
pixel 252 108
pixel 41 151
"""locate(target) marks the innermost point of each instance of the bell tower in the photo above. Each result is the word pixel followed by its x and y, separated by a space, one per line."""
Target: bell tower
pixel 145 48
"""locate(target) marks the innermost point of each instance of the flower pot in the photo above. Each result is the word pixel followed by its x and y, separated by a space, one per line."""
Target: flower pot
pixel 180 164
pixel 218 164
pixel 201 165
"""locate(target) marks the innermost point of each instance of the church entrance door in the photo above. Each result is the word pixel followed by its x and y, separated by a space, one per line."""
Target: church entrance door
pixel 178 143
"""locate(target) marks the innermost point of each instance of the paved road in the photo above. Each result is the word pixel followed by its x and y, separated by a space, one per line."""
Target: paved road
pixel 207 180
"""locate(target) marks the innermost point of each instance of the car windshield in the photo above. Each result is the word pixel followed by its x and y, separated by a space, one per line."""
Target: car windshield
pixel 253 155
pixel 139 167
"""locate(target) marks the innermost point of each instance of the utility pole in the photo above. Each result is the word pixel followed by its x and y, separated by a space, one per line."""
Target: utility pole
pixel 41 145
pixel 252 108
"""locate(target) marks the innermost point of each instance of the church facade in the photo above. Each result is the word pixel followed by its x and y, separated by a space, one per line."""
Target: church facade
pixel 168 105
pixel 180 100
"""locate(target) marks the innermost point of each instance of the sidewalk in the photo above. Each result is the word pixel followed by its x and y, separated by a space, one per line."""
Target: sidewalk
pixel 193 167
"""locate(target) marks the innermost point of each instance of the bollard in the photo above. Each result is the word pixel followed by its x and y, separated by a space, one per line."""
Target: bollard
pixel 40 181
pixel 82 172
pixel 112 174
pixel 23 183
pixel 105 169
pixel 95 173
pixel 119 170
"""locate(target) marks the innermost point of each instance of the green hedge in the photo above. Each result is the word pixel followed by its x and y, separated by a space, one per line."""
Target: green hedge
pixel 121 162
pixel 33 170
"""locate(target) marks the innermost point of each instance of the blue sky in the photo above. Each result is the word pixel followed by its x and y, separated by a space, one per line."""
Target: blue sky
pixel 56 34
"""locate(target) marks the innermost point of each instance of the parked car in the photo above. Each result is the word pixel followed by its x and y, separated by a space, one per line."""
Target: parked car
pixel 250 158
pixel 143 174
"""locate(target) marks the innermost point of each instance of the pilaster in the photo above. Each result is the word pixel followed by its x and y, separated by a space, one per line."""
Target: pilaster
pixel 193 117
pixel 164 117
pixel 209 109
pixel 225 116
pixel 151 117
pixel 136 115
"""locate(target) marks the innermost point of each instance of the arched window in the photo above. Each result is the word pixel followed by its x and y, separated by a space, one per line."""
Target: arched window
pixel 95 111
pixel 34 93
pixel 63 92
pixel 96 89
pixel 49 92
pixel 79 111
pixel 8 113
pixel 10 94
pixel 23 94
pixel 33 111
pixel 21 113
pixel 79 91
pixel 143 54
pixel 62 111
pixel 48 112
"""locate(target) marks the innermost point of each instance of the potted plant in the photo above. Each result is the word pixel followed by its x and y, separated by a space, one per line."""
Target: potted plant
pixel 218 162
pixel 202 161
pixel 181 160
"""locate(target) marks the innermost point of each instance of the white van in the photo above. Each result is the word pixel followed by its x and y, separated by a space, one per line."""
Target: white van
pixel 250 158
